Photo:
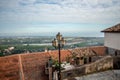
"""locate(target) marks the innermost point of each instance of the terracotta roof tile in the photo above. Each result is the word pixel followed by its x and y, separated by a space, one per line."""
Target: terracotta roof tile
pixel 33 65
pixel 95 50
pixel 64 54
pixel 83 52
pixel 115 28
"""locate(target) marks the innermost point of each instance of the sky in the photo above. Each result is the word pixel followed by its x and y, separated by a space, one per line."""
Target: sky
pixel 84 18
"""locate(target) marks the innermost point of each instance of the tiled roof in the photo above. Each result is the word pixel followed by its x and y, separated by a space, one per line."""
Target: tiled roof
pixel 64 54
pixel 83 52
pixel 115 28
pixel 90 51
pixel 33 65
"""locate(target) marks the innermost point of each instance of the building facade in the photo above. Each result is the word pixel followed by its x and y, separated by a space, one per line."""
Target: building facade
pixel 112 39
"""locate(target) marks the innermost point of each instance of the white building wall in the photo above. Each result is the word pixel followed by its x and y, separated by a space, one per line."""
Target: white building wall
pixel 112 40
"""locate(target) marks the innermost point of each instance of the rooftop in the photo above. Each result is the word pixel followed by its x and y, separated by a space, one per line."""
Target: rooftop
pixel 31 66
pixel 115 29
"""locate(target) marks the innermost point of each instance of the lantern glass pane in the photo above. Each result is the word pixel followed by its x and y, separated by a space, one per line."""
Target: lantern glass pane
pixel 58 36
pixel 56 43
pixel 63 41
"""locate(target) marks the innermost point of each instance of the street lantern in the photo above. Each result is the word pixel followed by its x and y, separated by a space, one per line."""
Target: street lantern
pixel 58 43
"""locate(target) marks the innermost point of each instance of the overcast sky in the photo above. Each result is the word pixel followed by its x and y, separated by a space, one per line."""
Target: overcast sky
pixel 47 17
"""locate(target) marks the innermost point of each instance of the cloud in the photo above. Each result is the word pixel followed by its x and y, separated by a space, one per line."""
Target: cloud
pixel 24 12
pixel 26 16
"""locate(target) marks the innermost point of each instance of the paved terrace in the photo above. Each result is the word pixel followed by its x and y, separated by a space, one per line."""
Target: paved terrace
pixel 106 75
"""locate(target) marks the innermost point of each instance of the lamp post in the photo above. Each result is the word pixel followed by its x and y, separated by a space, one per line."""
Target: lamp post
pixel 58 43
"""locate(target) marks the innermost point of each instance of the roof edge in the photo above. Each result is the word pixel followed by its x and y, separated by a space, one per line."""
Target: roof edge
pixel 113 29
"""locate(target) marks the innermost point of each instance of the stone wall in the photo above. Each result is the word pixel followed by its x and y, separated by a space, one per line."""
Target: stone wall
pixel 79 71
pixel 116 62
pixel 99 65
